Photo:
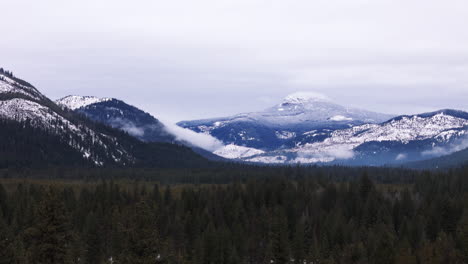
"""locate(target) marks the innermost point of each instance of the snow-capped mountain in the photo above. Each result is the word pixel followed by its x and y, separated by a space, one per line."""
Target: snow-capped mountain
pixel 120 115
pixel 304 128
pixel 399 140
pixel 310 128
pixel 21 103
pixel 282 125
pixel 128 118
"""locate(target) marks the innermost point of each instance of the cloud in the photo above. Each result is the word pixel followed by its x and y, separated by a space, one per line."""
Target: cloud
pixel 340 153
pixel 200 140
pixel 441 151
pixel 128 127
pixel 340 118
pixel 215 60
pixel 326 154
pixel 401 156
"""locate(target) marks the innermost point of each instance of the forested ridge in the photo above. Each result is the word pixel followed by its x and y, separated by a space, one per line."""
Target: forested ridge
pixel 288 215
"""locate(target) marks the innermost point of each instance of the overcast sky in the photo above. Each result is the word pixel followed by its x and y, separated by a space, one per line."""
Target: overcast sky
pixel 194 59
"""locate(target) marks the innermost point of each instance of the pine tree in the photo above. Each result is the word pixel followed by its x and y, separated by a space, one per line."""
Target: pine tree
pixel 7 244
pixel 93 248
pixel 299 243
pixel 51 234
pixel 280 239
pixel 463 234
pixel 143 244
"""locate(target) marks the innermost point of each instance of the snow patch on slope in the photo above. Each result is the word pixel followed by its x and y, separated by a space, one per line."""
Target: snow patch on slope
pixel 403 130
pixel 305 97
pixel 8 85
pixel 341 144
pixel 75 101
pixel 19 109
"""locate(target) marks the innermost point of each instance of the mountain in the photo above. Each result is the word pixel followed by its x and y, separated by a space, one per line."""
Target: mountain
pixel 309 128
pixel 128 118
pixel 398 140
pixel 285 124
pixel 120 115
pixel 41 132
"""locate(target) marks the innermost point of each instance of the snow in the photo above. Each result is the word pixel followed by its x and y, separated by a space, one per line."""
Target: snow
pixel 404 130
pixel 305 97
pixel 232 151
pixel 20 109
pixel 305 110
pixel 341 143
pixel 75 101
pixel 8 85
pixel 285 134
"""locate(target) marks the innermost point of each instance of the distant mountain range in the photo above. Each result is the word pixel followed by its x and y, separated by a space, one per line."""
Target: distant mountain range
pixel 286 124
pixel 304 128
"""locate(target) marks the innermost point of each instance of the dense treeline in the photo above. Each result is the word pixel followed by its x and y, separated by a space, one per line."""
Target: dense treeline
pixel 29 145
pixel 300 218
pixel 218 173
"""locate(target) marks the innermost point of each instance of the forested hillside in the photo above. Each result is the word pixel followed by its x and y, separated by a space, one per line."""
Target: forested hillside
pixel 38 133
pixel 286 215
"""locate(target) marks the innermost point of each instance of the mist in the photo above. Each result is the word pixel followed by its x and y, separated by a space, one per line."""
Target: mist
pixel 200 140
pixel 441 151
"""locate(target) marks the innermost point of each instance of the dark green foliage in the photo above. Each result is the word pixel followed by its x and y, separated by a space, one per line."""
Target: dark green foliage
pixel 24 145
pixel 50 237
pixel 301 218
pixel 7 244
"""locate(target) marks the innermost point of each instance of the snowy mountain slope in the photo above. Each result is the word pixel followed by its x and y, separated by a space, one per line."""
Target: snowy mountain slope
pixel 96 144
pixel 279 126
pixel 120 115
pixel 398 140
pixel 125 117
pixel 10 85
pixel 75 101
pixel 24 103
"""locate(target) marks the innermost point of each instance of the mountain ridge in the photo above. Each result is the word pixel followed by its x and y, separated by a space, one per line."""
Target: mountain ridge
pixel 278 126
pixel 97 144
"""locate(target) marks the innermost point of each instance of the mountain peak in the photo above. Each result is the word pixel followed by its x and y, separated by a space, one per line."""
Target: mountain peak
pixel 76 101
pixel 305 97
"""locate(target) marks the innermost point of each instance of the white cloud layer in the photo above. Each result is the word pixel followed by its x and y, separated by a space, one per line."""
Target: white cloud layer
pixel 200 140
pixel 186 59
pixel 326 154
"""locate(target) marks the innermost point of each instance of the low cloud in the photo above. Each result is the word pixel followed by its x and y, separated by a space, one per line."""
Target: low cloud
pixel 340 153
pixel 133 130
pixel 401 156
pixel 200 140
pixel 128 127
pixel 327 154
pixel 441 151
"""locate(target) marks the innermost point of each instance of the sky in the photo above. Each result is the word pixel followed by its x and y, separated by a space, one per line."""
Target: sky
pixel 182 60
